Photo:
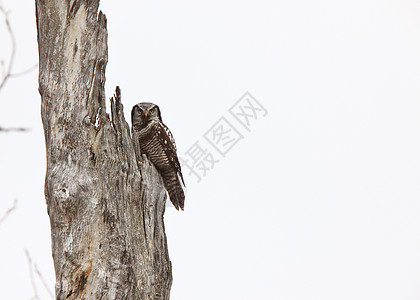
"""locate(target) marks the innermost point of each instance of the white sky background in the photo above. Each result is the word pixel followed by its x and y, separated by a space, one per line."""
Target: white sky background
pixel 319 201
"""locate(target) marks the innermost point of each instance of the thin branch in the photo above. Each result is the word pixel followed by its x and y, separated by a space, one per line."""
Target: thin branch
pixel 7 213
pixel 31 274
pixel 33 268
pixel 44 283
pixel 24 72
pixel 13 129
pixel 8 71
pixel 7 67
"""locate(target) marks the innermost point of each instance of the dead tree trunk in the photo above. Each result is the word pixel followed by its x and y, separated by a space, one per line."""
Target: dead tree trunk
pixel 105 203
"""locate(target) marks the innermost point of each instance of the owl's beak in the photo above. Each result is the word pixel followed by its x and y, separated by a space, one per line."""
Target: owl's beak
pixel 145 114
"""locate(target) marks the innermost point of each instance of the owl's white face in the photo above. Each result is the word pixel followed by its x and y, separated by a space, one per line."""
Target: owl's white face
pixel 145 112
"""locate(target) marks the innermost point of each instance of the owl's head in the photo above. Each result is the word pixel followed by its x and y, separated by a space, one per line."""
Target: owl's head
pixel 144 112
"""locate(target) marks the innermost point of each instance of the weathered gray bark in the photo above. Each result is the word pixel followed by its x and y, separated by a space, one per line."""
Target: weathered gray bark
pixel 105 205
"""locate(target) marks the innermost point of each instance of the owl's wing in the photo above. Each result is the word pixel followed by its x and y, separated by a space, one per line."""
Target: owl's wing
pixel 167 141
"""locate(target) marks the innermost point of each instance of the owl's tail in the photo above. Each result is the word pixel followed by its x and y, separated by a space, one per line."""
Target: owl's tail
pixel 175 189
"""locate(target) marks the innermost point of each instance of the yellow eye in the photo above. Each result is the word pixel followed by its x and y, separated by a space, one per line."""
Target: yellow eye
pixel 152 110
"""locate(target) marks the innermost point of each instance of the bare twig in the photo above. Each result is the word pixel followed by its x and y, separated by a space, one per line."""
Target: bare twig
pixel 24 72
pixel 7 213
pixel 33 268
pixel 13 129
pixel 44 283
pixel 8 68
pixel 31 274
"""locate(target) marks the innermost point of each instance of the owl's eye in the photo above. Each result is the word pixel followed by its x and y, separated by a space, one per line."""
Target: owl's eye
pixel 152 110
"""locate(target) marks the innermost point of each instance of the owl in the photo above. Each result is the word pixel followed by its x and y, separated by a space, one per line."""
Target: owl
pixel 157 142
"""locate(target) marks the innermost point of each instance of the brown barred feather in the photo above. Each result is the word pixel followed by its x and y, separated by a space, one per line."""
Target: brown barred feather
pixel 157 142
